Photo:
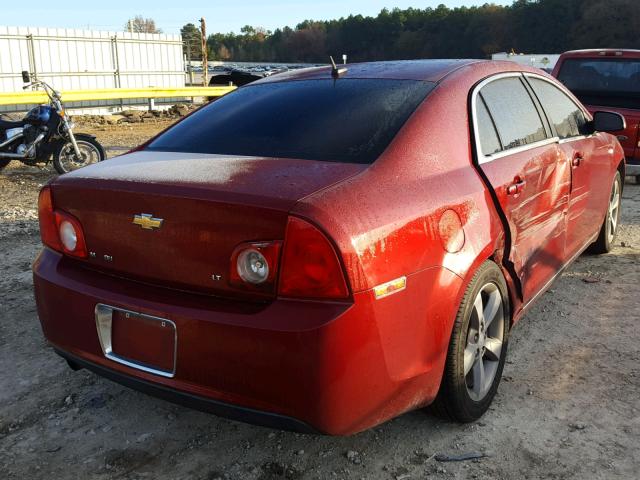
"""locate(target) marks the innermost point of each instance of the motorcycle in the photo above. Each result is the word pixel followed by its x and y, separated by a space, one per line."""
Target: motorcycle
pixel 45 132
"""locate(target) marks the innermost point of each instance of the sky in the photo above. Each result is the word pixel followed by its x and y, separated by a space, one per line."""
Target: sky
pixel 221 16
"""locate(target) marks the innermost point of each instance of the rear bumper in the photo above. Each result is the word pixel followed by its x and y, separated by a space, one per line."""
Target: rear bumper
pixel 226 410
pixel 334 368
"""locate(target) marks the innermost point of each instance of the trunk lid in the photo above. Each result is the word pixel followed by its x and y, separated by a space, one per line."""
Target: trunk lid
pixel 208 204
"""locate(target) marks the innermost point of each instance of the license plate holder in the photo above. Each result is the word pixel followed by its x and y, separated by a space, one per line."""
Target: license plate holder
pixel 137 340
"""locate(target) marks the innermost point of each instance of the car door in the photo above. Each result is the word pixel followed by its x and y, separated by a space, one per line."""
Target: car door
pixel 587 156
pixel 524 166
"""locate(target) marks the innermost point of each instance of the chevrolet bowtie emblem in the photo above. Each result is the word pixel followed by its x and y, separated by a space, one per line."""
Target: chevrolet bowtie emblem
pixel 146 221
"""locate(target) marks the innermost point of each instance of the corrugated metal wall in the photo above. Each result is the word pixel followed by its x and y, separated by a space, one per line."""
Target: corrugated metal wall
pixel 71 59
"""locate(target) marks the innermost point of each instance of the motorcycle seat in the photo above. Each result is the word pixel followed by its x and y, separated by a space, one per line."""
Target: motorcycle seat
pixel 6 124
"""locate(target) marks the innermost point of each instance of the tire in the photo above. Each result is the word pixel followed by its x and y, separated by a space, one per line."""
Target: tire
pixel 463 398
pixel 637 179
pixel 4 162
pixel 62 161
pixel 609 228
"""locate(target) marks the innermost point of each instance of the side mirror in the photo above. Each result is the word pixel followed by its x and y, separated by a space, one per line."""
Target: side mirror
pixel 26 78
pixel 608 122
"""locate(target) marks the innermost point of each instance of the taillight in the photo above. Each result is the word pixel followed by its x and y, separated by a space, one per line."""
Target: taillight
pixel 71 235
pixel 310 267
pixel 47 220
pixel 254 266
pixel 59 230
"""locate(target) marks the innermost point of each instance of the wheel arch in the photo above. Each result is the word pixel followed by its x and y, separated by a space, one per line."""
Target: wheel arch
pixel 494 255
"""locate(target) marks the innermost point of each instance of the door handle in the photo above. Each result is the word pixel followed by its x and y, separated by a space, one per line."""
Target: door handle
pixel 577 159
pixel 516 187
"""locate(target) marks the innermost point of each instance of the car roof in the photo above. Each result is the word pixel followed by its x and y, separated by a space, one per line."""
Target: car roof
pixel 424 70
pixel 602 52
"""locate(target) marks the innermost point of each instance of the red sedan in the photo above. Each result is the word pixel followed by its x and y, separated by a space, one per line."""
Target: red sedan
pixel 326 249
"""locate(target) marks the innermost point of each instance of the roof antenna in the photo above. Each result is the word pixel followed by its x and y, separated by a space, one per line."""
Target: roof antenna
pixel 335 71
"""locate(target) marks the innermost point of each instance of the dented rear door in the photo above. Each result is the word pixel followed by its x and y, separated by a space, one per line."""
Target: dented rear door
pixel 524 166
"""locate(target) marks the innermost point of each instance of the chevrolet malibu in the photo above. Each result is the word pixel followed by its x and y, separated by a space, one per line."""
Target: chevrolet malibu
pixel 326 249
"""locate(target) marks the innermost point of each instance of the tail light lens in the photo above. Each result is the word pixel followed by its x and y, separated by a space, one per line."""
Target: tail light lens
pixel 310 266
pixel 47 220
pixel 59 230
pixel 254 266
pixel 71 235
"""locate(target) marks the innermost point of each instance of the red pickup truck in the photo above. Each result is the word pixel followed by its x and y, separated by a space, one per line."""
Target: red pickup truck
pixel 609 79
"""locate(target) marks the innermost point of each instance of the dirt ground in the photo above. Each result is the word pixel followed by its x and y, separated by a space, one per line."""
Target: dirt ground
pixel 568 406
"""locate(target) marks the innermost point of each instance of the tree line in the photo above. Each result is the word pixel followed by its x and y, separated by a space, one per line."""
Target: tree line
pixel 528 26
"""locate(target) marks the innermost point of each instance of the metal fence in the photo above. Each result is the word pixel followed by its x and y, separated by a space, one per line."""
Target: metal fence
pixel 72 59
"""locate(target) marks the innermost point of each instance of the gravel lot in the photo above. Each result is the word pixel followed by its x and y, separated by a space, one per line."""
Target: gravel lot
pixel 568 407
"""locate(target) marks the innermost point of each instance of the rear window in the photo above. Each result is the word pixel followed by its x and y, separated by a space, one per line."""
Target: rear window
pixel 513 112
pixel 346 120
pixel 613 82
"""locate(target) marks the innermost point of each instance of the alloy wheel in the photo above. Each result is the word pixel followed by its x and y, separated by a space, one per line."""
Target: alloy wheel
pixel 485 340
pixel 613 214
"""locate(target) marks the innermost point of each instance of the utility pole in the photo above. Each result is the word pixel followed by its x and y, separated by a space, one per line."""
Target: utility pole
pixel 189 66
pixel 205 65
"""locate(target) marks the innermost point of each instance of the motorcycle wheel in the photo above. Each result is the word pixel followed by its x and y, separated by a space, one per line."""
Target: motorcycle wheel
pixel 65 160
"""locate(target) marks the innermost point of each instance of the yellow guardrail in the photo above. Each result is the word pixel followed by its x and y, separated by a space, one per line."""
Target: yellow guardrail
pixel 36 97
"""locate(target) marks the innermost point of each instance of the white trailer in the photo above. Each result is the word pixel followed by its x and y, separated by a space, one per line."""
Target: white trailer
pixel 546 61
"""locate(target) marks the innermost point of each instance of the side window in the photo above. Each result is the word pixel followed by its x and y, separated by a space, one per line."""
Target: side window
pixel 489 141
pixel 566 116
pixel 514 113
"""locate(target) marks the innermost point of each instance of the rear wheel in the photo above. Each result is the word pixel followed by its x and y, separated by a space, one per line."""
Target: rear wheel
pixel 477 349
pixel 609 228
pixel 65 159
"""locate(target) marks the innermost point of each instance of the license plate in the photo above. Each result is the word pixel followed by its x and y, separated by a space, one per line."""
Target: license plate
pixel 137 340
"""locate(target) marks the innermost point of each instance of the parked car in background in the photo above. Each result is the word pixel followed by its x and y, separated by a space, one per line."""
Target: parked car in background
pixel 219 69
pixel 325 249
pixel 608 78
pixel 235 77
